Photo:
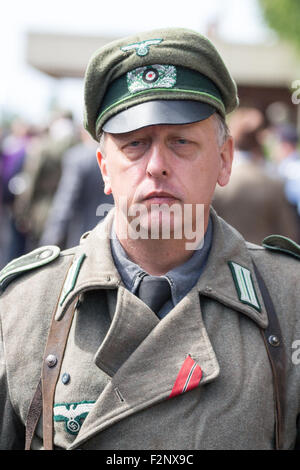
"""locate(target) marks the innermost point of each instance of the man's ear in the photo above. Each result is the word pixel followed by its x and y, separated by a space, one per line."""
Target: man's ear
pixel 226 155
pixel 103 167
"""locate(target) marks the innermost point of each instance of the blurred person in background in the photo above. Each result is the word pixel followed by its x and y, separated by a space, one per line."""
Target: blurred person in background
pixel 13 154
pixel 41 175
pixel 254 202
pixel 3 218
pixel 244 121
pixel 288 161
pixel 287 152
pixel 80 192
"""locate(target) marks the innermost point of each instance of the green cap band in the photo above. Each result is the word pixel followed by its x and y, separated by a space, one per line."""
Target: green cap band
pixel 151 81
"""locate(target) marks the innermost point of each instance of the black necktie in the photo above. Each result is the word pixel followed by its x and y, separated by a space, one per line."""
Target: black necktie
pixel 154 291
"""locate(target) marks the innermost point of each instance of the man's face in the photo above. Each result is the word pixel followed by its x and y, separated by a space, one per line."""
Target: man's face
pixel 166 164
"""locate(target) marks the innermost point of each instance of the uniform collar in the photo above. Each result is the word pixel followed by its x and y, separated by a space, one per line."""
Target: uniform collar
pixel 182 278
pixel 94 268
pixel 217 280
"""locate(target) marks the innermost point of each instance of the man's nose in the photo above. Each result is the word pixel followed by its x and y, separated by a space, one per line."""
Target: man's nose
pixel 158 162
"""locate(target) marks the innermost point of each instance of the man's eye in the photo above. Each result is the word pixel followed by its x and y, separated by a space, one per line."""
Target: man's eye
pixel 135 143
pixel 135 148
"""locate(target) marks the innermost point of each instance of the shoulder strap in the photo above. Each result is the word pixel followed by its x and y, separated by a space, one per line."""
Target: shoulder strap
pixel 33 260
pixel 279 243
pixel 273 340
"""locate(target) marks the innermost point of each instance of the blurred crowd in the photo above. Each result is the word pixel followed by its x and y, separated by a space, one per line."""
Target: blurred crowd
pixel 263 195
pixel 50 184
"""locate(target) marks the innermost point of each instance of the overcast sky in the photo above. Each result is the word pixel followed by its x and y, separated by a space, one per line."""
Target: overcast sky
pixel 27 92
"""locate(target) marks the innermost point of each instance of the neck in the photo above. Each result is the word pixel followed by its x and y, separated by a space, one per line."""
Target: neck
pixel 158 256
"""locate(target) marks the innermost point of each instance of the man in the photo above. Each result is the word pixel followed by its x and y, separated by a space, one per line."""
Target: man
pixel 288 157
pixel 157 342
pixel 79 194
pixel 254 201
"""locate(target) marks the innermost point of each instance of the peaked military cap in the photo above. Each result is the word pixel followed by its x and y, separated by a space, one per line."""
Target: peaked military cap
pixel 174 73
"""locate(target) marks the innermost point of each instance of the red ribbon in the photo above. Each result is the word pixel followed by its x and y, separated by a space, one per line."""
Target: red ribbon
pixel 188 378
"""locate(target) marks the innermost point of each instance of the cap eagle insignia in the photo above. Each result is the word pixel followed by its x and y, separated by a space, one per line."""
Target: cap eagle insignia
pixel 142 48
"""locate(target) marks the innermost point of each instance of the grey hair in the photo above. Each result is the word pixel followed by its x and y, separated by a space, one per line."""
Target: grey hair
pixel 222 128
pixel 101 142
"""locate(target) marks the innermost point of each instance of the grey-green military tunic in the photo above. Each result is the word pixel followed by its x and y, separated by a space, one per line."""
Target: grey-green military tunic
pixel 121 362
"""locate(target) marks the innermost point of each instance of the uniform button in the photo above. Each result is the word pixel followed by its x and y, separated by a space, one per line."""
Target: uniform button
pixel 208 289
pixel 274 340
pixel 45 254
pixel 66 378
pixel 51 360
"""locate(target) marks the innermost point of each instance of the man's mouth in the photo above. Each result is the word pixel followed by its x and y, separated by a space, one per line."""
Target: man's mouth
pixel 160 197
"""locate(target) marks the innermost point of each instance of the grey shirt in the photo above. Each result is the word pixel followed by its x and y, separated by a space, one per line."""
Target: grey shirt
pixel 181 279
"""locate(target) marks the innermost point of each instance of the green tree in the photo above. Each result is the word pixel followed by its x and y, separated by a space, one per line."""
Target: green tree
pixel 283 16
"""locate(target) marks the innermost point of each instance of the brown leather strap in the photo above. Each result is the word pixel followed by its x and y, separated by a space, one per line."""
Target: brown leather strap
pixel 54 354
pixel 44 394
pixel 36 406
pixel 34 414
pixel 273 340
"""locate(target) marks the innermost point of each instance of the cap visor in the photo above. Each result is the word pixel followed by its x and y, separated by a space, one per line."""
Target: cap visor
pixel 157 112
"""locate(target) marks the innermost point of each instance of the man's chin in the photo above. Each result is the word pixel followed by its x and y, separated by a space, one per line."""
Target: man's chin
pixel 162 222
pixel 156 226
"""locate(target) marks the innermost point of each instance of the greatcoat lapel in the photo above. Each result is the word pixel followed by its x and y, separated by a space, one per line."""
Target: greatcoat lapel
pixel 148 375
